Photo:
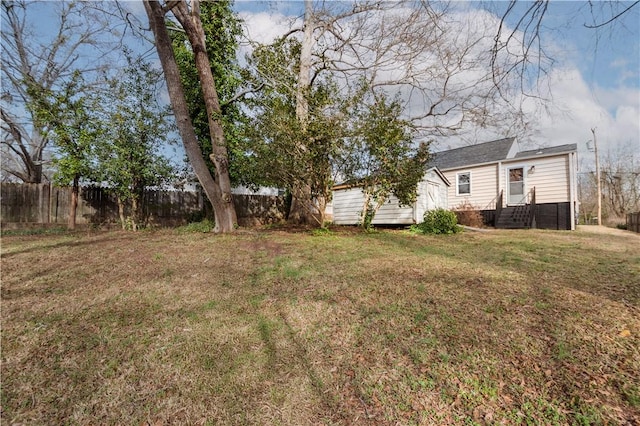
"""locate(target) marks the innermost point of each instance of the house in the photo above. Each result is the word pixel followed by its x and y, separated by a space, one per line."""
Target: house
pixel 512 188
pixel 348 202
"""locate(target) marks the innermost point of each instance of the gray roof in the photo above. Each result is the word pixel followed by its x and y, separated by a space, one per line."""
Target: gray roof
pixel 547 151
pixel 487 152
pixel 491 152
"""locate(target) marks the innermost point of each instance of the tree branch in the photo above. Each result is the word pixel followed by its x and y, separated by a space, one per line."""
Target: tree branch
pixel 613 18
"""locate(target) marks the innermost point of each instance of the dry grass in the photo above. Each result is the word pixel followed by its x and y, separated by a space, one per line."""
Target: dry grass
pixel 340 328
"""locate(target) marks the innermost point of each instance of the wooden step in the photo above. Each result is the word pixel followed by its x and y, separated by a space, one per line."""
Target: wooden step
pixel 513 217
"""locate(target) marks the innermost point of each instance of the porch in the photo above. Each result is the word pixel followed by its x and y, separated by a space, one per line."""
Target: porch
pixel 519 215
pixel 527 214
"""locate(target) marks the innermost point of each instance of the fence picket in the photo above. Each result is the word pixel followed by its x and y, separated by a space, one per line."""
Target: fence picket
pixel 46 204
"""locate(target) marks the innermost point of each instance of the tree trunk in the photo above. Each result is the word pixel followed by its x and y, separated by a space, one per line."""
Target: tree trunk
pixel 302 207
pixel 73 205
pixel 220 196
pixel 304 73
pixel 35 161
pixel 226 213
pixel 301 212
pixel 123 220
pixel 135 213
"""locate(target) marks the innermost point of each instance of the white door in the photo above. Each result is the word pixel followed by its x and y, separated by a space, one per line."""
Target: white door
pixel 432 196
pixel 515 186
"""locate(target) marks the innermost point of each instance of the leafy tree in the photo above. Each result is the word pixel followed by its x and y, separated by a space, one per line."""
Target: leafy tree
pixel 287 152
pixel 135 128
pixel 217 187
pixel 68 114
pixel 388 162
pixel 357 135
pixel 222 30
pixel 34 64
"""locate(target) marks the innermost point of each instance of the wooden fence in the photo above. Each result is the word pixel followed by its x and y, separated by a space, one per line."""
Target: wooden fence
pixel 633 222
pixel 46 204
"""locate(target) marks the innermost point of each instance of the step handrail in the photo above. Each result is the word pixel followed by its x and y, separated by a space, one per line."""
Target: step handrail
pixel 532 208
pixel 492 205
pixel 498 206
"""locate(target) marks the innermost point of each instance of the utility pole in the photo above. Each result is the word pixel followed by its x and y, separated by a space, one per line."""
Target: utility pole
pixel 599 187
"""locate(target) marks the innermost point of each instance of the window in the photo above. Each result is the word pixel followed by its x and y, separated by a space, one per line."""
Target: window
pixel 463 183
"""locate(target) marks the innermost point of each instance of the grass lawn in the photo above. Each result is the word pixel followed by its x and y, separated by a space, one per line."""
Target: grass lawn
pixel 338 328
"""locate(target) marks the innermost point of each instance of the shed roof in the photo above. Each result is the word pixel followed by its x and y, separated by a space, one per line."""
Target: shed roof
pixel 354 183
pixel 487 152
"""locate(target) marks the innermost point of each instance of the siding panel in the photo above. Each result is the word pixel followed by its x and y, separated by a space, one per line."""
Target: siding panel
pixel 550 178
pixel 484 184
pixel 348 203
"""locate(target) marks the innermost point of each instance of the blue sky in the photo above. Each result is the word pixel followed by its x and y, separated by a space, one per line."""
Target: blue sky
pixel 607 57
pixel 595 82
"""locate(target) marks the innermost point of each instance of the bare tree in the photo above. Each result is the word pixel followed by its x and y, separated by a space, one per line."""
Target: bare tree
pixel 620 179
pixel 218 189
pixel 436 61
pixel 621 182
pixel 35 63
pixel 519 36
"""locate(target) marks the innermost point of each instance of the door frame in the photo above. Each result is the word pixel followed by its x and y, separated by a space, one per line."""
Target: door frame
pixel 508 185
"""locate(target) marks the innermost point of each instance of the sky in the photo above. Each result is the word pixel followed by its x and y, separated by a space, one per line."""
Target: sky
pixel 594 82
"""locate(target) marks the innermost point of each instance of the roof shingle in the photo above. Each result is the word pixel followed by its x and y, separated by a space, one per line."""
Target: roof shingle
pixel 546 151
pixel 487 152
pixel 491 152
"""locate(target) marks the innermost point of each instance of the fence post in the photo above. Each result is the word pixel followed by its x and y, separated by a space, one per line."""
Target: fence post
pixel 633 222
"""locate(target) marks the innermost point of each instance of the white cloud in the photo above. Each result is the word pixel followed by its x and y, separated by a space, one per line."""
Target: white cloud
pixel 265 27
pixel 574 107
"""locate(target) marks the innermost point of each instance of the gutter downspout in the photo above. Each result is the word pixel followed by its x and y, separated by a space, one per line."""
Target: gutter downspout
pixel 499 172
pixel 573 188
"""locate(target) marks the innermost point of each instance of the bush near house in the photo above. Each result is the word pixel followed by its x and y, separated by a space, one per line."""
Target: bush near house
pixel 439 221
pixel 469 215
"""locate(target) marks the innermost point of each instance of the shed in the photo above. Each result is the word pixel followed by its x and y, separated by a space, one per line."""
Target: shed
pixel 348 202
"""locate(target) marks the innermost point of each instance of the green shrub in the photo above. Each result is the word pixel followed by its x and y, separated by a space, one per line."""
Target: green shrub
pixel 439 221
pixel 36 231
pixel 204 226
pixel 319 232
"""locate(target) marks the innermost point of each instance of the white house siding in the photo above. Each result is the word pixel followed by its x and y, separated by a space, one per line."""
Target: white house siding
pixel 390 213
pixel 550 177
pixel 348 204
pixel 484 186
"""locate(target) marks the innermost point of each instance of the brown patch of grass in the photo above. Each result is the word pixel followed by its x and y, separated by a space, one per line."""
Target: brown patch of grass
pixel 342 327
